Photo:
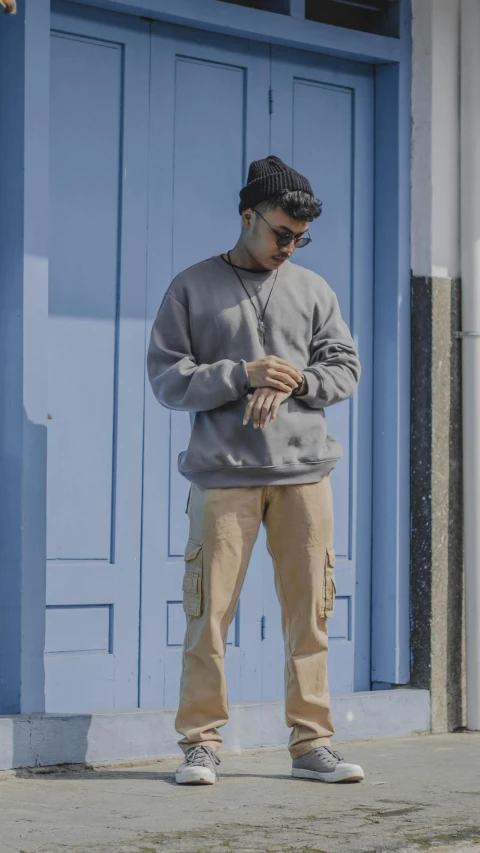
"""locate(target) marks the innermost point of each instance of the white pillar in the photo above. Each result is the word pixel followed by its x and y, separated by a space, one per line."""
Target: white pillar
pixel 470 255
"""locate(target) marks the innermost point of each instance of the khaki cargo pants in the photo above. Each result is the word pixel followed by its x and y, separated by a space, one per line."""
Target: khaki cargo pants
pixel 224 525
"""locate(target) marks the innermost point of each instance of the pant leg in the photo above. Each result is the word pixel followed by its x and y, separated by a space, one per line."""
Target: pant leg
pixel 224 525
pixel 299 522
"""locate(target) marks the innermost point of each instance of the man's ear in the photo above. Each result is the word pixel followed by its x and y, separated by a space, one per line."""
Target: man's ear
pixel 8 6
pixel 247 217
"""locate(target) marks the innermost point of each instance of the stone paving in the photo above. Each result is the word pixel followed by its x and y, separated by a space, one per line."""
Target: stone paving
pixel 420 793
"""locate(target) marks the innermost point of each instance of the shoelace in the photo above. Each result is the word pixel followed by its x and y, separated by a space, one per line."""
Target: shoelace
pixel 196 757
pixel 331 752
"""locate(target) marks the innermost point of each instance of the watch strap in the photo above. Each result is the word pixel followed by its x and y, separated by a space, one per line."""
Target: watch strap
pixel 297 390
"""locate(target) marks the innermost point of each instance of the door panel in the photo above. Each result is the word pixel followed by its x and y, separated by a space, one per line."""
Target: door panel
pixel 98 202
pixel 209 118
pixel 328 104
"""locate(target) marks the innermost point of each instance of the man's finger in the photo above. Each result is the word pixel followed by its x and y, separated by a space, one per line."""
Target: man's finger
pixel 287 366
pixel 257 410
pixel 281 386
pixel 275 407
pixel 249 409
pixel 267 405
pixel 286 379
pixel 285 373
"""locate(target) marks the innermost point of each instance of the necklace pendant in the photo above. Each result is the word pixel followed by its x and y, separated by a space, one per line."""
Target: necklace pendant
pixel 262 333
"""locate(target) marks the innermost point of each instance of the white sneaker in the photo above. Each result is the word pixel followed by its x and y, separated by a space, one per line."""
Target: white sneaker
pixel 326 765
pixel 198 768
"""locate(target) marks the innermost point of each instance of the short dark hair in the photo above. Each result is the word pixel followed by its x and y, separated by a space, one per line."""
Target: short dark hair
pixel 297 204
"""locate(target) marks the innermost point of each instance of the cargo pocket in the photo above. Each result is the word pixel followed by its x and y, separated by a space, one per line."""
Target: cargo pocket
pixel 329 588
pixel 192 581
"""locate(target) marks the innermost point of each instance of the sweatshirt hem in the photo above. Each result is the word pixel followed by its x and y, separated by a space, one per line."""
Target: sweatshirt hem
pixel 280 475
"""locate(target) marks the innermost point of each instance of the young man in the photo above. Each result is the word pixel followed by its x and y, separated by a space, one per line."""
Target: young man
pixel 254 347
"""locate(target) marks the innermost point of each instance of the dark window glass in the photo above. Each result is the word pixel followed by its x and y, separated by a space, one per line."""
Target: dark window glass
pixel 370 16
pixel 279 6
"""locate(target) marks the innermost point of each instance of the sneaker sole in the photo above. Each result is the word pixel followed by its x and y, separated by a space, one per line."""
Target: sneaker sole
pixel 196 776
pixel 328 777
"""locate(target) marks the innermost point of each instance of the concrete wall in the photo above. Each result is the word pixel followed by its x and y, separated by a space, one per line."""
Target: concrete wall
pixel 435 235
pixel 437 629
pixel 42 739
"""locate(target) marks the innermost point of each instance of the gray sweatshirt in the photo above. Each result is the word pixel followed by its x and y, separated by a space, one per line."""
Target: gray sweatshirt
pixel 205 333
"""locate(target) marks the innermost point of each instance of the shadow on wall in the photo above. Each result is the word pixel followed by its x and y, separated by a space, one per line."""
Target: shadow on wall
pixel 22 546
pixel 26 740
pixel 41 740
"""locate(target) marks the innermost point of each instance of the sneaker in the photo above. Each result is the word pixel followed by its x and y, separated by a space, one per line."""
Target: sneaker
pixel 198 768
pixel 326 765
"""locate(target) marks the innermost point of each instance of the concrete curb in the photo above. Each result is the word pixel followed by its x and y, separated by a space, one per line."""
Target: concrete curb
pixel 30 740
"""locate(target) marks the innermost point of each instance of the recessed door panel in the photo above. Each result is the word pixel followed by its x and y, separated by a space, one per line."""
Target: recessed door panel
pixel 98 204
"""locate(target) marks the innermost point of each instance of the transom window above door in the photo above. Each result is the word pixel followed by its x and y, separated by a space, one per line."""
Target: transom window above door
pixel 371 16
pixel 281 7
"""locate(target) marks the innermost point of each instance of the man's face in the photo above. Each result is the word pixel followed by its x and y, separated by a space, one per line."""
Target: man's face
pixel 261 235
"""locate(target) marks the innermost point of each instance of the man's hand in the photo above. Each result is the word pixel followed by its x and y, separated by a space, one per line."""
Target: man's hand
pixel 273 372
pixel 263 406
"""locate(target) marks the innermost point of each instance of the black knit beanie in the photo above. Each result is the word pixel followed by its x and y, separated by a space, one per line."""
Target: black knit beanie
pixel 270 177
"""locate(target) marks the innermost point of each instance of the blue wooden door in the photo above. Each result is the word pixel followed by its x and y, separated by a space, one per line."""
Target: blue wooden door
pixel 322 123
pixel 98 203
pixel 209 118
pixel 193 110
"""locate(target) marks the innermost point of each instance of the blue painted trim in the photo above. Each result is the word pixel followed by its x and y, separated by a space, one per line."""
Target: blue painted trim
pixel 24 164
pixel 391 421
pixel 267 27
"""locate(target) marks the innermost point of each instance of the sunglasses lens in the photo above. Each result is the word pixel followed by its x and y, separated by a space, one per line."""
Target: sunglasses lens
pixel 283 242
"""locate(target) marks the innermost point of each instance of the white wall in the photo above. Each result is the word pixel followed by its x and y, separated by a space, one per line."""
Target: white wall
pixel 435 138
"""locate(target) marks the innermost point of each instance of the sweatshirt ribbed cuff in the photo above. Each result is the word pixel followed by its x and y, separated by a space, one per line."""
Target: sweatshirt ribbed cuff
pixel 239 379
pixel 315 388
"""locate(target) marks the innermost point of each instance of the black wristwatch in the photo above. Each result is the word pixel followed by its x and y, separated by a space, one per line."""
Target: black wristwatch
pixel 296 391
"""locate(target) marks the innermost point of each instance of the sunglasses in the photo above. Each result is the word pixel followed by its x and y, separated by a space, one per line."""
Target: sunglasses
pixel 284 240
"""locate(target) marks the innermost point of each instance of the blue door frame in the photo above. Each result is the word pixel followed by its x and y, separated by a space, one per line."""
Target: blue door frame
pixel 24 169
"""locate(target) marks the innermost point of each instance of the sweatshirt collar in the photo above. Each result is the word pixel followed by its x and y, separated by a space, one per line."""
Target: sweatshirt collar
pixel 247 275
